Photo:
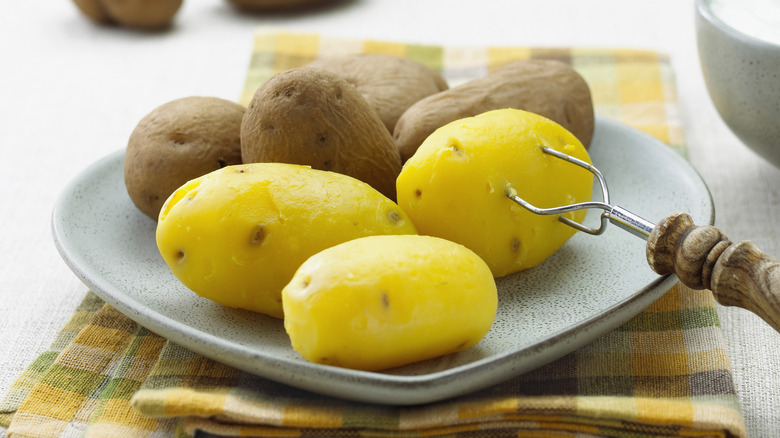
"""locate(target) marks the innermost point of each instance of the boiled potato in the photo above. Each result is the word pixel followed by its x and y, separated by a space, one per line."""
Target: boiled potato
pixel 138 14
pixel 384 301
pixel 93 9
pixel 455 186
pixel 389 83
pixel 254 6
pixel 176 142
pixel 316 118
pixel 237 235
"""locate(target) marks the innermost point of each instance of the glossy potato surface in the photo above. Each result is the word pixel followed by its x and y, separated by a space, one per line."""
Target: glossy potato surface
pixel 455 185
pixel 237 235
pixel 384 301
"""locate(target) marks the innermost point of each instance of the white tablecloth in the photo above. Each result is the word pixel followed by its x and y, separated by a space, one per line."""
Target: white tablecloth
pixel 71 92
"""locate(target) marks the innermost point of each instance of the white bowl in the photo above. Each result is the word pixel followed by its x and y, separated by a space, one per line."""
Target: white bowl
pixel 739 50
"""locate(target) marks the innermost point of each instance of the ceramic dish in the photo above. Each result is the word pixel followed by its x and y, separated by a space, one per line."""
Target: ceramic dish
pixel 590 286
pixel 738 43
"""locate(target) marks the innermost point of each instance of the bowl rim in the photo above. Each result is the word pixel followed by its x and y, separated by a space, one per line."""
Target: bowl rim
pixel 705 11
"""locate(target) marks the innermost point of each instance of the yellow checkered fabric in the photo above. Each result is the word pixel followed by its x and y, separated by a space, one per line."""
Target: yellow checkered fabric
pixel 663 373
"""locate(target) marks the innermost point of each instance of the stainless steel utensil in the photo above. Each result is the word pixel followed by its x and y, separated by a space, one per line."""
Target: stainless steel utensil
pixel 702 257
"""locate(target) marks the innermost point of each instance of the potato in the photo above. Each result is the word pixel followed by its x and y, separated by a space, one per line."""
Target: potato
pixel 455 186
pixel 93 9
pixel 390 84
pixel 141 14
pixel 384 301
pixel 178 141
pixel 549 88
pixel 313 117
pixel 276 5
pixel 237 235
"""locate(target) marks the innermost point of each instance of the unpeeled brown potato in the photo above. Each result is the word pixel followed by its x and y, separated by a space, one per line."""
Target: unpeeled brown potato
pixel 313 117
pixel 276 5
pixel 390 84
pixel 178 141
pixel 141 14
pixel 549 88
pixel 93 9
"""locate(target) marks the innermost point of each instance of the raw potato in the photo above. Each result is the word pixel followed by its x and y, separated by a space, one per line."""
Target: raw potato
pixel 178 141
pixel 237 235
pixel 313 117
pixel 550 88
pixel 276 5
pixel 455 186
pixel 385 301
pixel 390 84
pixel 141 14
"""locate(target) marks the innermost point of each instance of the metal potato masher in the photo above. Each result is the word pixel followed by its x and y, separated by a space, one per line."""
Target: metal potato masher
pixel 702 257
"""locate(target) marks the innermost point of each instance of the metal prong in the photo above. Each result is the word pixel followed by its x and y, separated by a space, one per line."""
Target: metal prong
pixel 511 193
pixel 617 215
pixel 585 165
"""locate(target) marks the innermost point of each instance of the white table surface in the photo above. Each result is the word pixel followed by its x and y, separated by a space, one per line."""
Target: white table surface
pixel 71 92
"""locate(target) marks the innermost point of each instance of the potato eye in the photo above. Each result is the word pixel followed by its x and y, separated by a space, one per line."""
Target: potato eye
pixel 394 216
pixel 455 145
pixel 258 235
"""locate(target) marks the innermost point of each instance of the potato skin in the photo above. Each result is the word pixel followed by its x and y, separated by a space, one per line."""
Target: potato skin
pixel 549 88
pixel 276 5
pixel 313 117
pixel 139 14
pixel 237 235
pixel 455 186
pixel 93 9
pixel 384 301
pixel 390 84
pixel 176 142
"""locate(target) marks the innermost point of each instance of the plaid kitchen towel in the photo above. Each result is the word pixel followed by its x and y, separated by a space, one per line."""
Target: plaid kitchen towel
pixel 663 373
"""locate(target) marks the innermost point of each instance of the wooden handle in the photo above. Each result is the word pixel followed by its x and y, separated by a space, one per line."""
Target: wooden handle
pixel 702 257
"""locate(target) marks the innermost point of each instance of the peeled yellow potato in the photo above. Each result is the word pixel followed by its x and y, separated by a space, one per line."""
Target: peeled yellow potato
pixel 237 235
pixel 455 185
pixel 384 301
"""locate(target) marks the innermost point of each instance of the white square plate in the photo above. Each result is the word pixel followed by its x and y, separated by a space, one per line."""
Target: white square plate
pixel 590 286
